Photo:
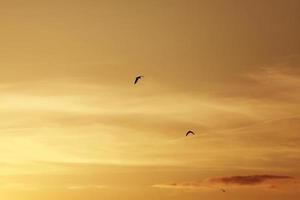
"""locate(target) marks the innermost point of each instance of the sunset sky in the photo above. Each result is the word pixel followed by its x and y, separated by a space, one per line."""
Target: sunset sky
pixel 74 127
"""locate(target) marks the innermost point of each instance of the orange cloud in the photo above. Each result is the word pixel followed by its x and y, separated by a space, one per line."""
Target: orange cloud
pixel 264 181
pixel 247 180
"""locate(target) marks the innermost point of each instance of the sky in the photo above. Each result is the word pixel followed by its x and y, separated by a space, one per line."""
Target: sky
pixel 73 126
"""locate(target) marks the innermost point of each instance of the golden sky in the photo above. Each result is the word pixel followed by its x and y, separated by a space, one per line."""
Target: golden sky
pixel 74 127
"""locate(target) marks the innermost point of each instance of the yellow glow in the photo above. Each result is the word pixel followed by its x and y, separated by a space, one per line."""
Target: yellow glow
pixel 74 126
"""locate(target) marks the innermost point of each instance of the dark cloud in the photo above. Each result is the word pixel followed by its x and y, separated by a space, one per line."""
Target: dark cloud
pixel 247 180
pixel 263 181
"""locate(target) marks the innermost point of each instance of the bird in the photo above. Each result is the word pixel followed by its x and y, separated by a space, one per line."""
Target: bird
pixel 189 132
pixel 223 190
pixel 137 79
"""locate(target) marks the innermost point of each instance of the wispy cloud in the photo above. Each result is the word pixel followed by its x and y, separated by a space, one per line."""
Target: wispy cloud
pixel 276 83
pixel 260 181
pixel 83 187
pixel 32 187
pixel 247 180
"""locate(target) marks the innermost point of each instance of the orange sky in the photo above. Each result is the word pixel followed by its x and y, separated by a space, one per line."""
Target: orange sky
pixel 74 127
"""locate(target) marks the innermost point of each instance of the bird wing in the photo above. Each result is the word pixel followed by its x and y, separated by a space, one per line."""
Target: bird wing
pixel 136 80
pixel 189 133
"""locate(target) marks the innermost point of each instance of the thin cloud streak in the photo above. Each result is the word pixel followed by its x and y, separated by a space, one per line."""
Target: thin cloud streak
pixel 247 180
pixel 252 181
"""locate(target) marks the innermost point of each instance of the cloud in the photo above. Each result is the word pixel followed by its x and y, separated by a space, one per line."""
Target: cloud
pixel 34 187
pixel 276 83
pixel 18 186
pixel 183 185
pixel 260 181
pixel 83 187
pixel 247 180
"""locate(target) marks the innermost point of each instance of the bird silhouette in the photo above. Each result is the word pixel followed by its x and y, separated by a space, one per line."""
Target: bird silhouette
pixel 137 79
pixel 223 190
pixel 189 132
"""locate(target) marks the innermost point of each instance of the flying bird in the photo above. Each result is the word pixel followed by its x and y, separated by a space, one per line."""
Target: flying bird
pixel 137 79
pixel 189 132
pixel 223 190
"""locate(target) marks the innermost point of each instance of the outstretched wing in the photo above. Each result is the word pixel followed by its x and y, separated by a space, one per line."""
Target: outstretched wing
pixel 136 80
pixel 189 132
